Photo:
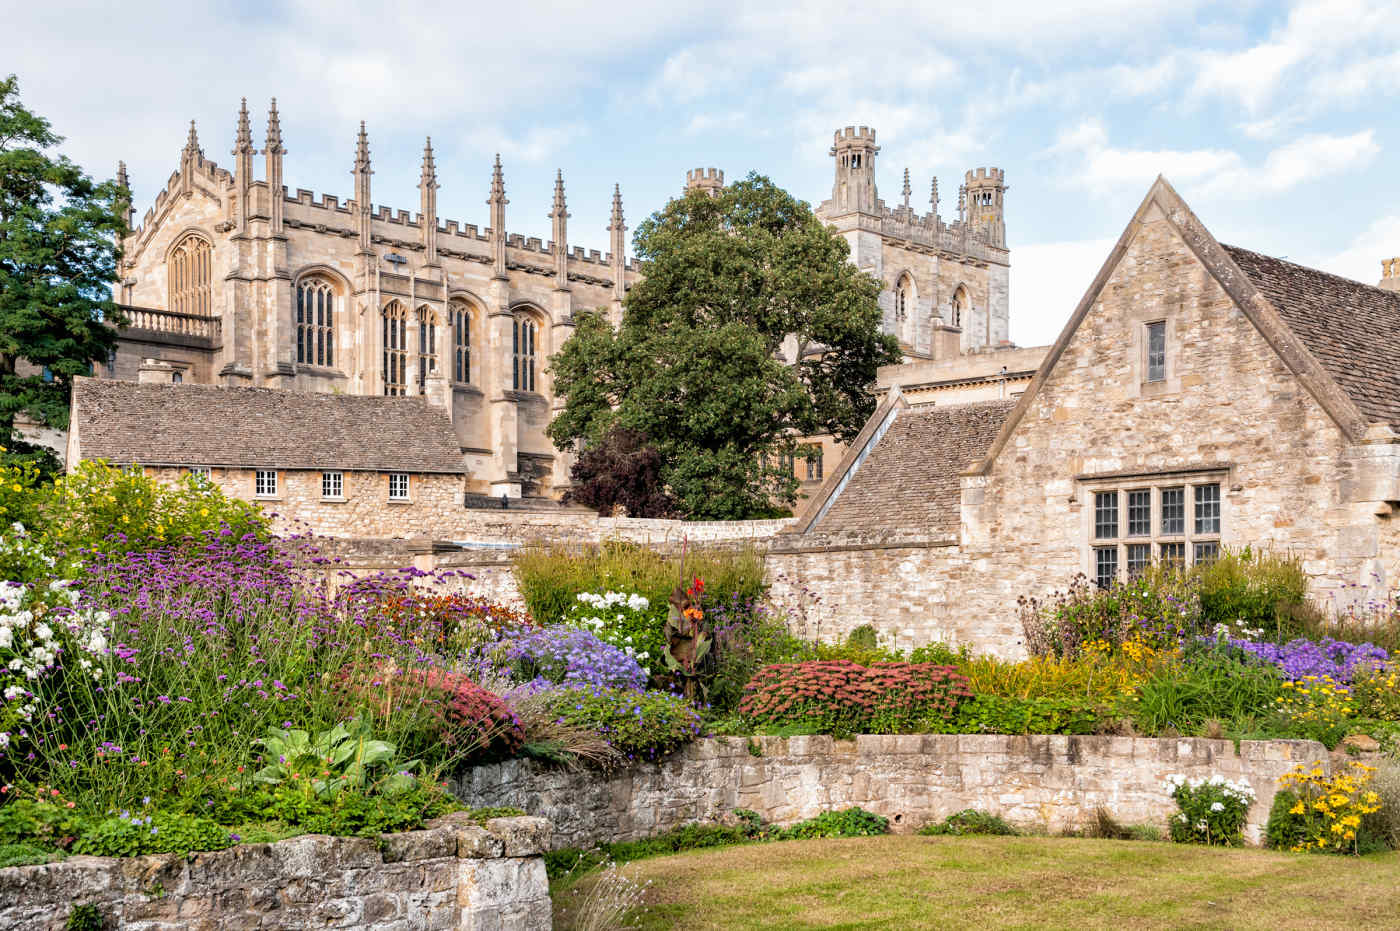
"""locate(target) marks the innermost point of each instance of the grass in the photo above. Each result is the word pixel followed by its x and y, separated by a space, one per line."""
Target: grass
pixel 907 881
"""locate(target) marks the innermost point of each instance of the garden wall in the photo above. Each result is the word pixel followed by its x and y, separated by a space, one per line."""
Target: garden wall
pixel 1051 783
pixel 454 875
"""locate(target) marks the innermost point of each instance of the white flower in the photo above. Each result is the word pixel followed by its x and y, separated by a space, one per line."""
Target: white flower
pixel 44 632
pixel 1216 806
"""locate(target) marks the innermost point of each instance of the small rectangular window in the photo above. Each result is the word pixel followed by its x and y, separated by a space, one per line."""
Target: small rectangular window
pixel 1207 509
pixel 1173 554
pixel 200 471
pixel 1140 512
pixel 1206 552
pixel 332 484
pixel 1106 515
pixel 1157 351
pixel 265 483
pixel 1173 511
pixel 814 465
pixel 1139 557
pixel 398 486
pixel 1105 565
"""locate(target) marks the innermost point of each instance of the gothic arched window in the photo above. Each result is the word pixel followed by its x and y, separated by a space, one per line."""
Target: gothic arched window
pixel 395 349
pixel 460 316
pixel 902 297
pixel 958 305
pixel 523 352
pixel 427 345
pixel 190 267
pixel 315 321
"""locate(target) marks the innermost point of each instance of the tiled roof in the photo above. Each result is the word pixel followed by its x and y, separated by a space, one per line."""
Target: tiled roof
pixel 1351 328
pixel 125 422
pixel 910 479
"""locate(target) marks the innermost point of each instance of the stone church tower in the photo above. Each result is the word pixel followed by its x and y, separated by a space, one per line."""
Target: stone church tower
pixel 231 279
pixel 946 286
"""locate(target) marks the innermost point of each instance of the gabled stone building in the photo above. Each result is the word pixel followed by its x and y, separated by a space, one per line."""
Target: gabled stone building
pixel 1200 396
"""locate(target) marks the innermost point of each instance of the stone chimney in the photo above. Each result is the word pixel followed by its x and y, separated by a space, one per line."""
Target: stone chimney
pixel 1390 274
pixel 156 372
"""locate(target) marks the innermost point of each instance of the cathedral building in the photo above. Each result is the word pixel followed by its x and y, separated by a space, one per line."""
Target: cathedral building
pixel 237 281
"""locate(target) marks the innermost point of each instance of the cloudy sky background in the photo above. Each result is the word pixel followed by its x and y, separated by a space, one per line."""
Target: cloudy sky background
pixel 1279 123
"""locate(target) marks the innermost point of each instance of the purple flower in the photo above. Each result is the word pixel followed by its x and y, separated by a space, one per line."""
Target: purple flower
pixel 1326 657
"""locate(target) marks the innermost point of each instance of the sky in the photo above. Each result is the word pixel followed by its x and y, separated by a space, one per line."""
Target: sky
pixel 1278 122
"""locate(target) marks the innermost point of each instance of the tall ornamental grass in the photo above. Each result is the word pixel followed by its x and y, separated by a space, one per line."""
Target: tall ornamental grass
pixel 163 669
pixel 550 577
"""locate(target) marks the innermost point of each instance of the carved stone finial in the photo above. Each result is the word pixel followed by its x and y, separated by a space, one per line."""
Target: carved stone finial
pixel 559 203
pixel 498 183
pixel 243 136
pixel 274 131
pixel 429 176
pixel 362 151
pixel 192 148
pixel 616 219
pixel 933 197
pixel 907 190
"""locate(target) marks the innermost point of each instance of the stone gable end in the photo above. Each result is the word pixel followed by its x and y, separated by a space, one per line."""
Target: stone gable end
pixel 1228 403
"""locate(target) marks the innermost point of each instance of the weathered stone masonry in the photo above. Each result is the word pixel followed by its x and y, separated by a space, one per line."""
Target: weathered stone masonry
pixel 455 875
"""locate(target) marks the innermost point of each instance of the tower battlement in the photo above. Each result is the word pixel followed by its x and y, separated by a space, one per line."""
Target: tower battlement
pixel 852 134
pixel 709 180
pixel 985 175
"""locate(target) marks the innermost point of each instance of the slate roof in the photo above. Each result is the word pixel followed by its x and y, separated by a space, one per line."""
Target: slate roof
pixel 182 425
pixel 1352 329
pixel 910 479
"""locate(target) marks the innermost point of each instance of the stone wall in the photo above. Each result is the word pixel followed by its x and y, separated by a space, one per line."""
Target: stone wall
pixel 454 875
pixel 1047 782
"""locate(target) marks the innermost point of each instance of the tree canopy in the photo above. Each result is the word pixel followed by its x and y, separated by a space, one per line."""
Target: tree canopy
pixel 750 329
pixel 58 258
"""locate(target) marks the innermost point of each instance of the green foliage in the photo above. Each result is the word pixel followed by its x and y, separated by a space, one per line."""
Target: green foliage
pixel 940 654
pixel 849 822
pixel 482 815
pixel 967 822
pixel 26 854
pixel 344 757
pixel 1253 589
pixel 748 636
pixel 100 507
pixel 1211 686
pixel 58 230
pixel 160 832
pixel 1154 608
pixel 639 725
pixel 1210 811
pixel 32 820
pixel 998 714
pixel 1285 830
pixel 84 918
pixel 551 577
pixel 861 646
pixel 695 366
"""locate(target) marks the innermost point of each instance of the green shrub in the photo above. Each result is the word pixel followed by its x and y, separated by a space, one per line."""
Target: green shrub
pixel 1154 608
pixel 639 725
pixel 1260 590
pixel 84 918
pixel 995 714
pixel 967 822
pixel 1210 686
pixel 843 698
pixel 26 854
pixel 940 654
pixel 129 835
pixel 551 577
pixel 849 822
pixel 111 510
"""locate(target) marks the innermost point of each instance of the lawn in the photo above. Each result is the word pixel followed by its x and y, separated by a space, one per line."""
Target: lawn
pixel 1011 882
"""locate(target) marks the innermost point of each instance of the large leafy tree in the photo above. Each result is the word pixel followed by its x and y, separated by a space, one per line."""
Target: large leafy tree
pixel 58 258
pixel 749 330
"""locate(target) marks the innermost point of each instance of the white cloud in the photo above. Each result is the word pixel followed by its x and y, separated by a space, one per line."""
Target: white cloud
pixel 1047 282
pixel 1093 163
pixel 1361 259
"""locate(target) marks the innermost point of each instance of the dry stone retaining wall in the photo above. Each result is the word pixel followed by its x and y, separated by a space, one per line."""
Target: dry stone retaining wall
pixel 455 875
pixel 1042 782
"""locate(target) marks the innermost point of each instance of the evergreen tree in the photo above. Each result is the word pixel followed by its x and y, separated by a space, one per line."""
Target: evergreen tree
pixel 58 259
pixel 749 330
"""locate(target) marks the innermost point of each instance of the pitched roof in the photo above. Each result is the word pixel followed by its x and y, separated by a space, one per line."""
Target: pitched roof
pixel 183 425
pixel 911 477
pixel 1352 328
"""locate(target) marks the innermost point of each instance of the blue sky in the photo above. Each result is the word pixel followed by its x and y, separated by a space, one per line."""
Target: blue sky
pixel 1279 123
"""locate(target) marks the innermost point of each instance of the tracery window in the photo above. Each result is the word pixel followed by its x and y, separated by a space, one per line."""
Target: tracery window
pixel 460 316
pixel 523 352
pixel 315 322
pixel 959 302
pixel 427 345
pixel 190 267
pixel 395 349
